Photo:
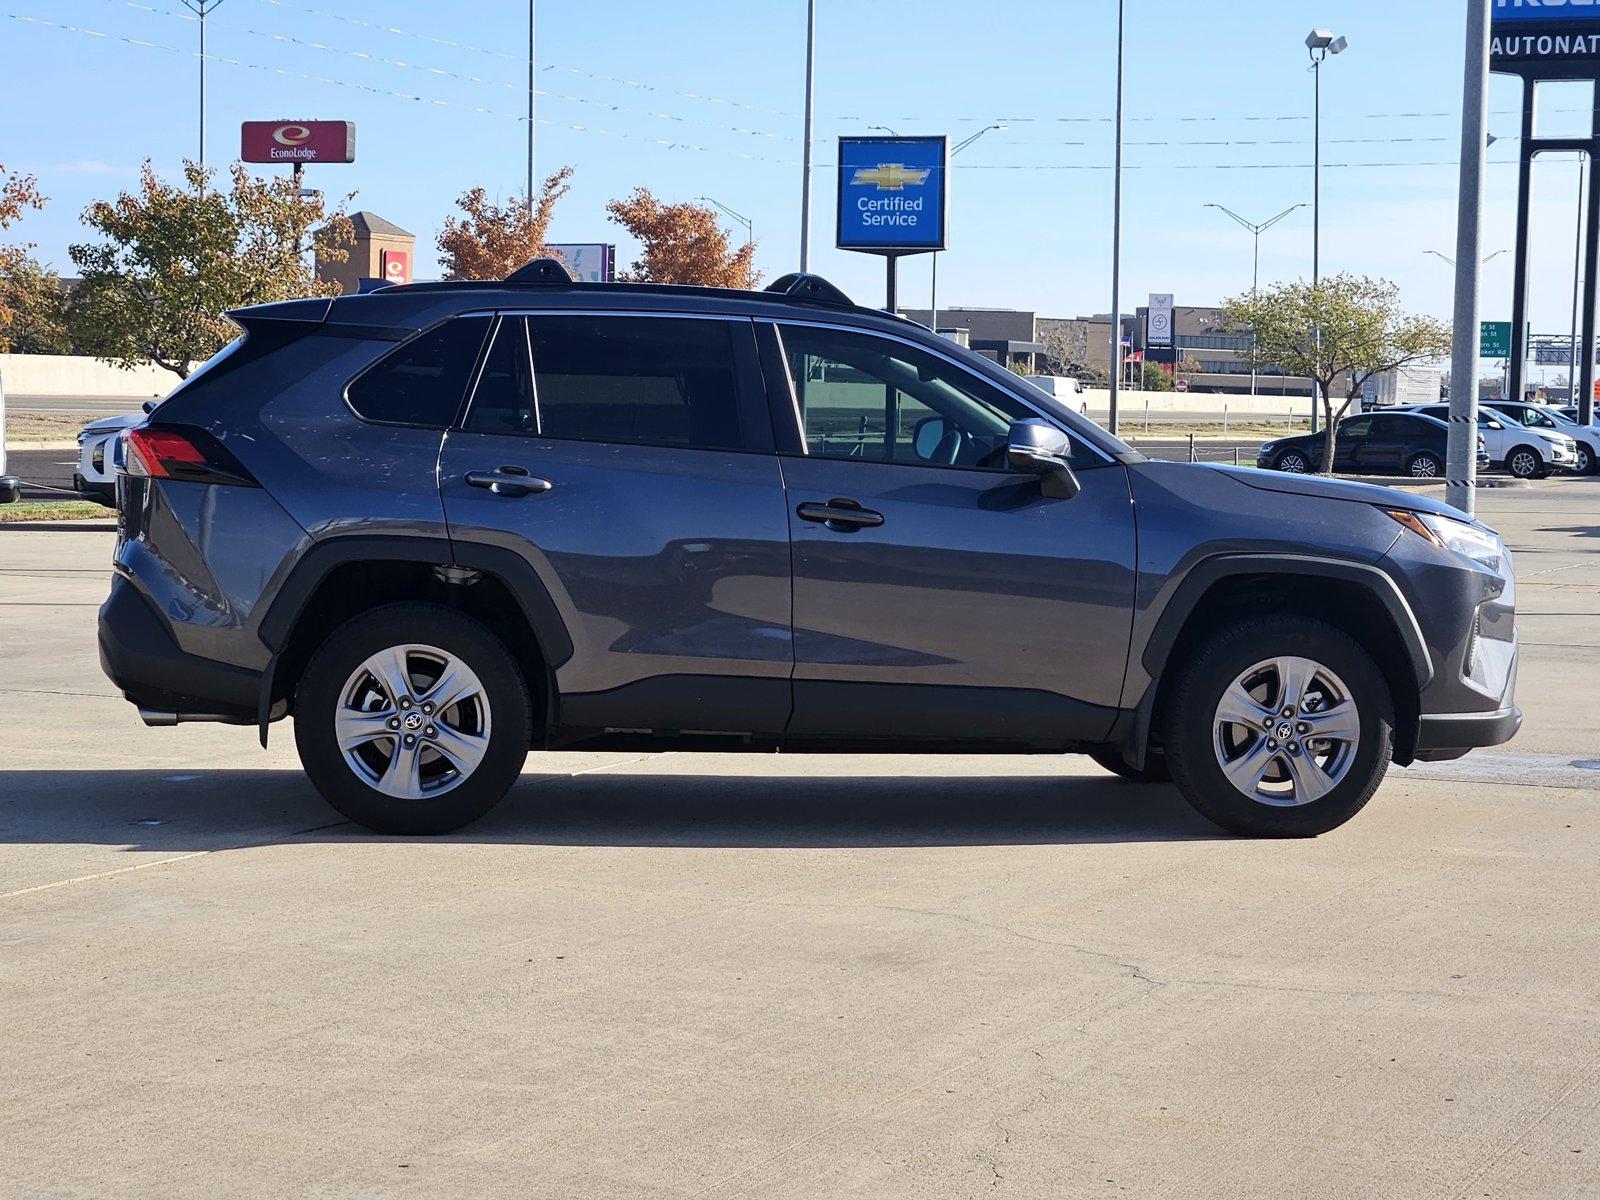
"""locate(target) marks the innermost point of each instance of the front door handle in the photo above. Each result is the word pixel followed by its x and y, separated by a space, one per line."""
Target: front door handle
pixel 840 515
pixel 508 481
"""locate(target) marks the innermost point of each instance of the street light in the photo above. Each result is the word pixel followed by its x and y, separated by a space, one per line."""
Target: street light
pixel 885 128
pixel 805 156
pixel 1256 230
pixel 1319 44
pixel 749 229
pixel 1452 262
pixel 933 287
pixel 202 9
pixel 1116 236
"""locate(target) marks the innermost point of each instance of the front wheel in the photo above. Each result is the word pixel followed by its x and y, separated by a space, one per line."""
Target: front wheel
pixel 1584 463
pixel 1425 466
pixel 412 719
pixel 1524 462
pixel 1293 462
pixel 1279 727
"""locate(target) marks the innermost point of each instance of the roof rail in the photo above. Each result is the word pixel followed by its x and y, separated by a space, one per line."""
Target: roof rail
pixel 544 270
pixel 798 285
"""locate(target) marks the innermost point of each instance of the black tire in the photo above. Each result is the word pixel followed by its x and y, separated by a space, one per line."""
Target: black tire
pixel 345 650
pixel 1586 463
pixel 1292 461
pixel 1154 770
pixel 1198 686
pixel 1426 465
pixel 1524 462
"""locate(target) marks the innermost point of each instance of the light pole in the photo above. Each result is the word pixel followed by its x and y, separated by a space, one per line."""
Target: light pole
pixel 805 167
pixel 1577 284
pixel 202 9
pixel 1116 240
pixel 531 70
pixel 749 229
pixel 1256 230
pixel 1461 464
pixel 1319 44
pixel 933 286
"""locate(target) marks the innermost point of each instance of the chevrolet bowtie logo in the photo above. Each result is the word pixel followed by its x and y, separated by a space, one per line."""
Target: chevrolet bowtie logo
pixel 890 177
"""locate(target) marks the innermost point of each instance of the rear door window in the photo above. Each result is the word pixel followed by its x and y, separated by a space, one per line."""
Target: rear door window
pixel 423 381
pixel 653 381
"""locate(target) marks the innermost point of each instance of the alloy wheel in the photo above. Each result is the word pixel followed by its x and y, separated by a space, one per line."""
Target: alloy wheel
pixel 413 721
pixel 1524 464
pixel 1424 467
pixel 1294 464
pixel 1285 731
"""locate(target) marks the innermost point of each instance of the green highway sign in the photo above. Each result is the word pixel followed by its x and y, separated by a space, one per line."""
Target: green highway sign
pixel 1494 339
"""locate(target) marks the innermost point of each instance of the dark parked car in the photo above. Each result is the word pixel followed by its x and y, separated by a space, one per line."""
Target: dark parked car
pixel 1379 443
pixel 439 524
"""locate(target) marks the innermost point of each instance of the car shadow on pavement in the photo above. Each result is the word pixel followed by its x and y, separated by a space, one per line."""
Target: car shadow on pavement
pixel 182 811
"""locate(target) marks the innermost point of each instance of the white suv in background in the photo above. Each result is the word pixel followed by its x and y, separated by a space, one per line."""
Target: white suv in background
pixel 96 476
pixel 1524 452
pixel 1546 417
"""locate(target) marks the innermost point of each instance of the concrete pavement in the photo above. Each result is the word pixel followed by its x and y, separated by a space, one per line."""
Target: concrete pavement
pixel 691 975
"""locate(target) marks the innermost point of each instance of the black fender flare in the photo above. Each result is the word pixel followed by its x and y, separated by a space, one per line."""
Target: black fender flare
pixel 1204 574
pixel 326 556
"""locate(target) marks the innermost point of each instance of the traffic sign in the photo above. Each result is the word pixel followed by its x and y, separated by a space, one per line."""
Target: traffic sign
pixel 1494 339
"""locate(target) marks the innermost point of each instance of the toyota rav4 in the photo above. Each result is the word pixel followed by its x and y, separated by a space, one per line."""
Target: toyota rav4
pixel 441 524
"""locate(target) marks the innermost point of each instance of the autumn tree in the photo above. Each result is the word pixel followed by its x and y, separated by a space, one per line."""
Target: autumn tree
pixel 1338 332
pixel 683 243
pixel 32 309
pixel 176 257
pixel 488 241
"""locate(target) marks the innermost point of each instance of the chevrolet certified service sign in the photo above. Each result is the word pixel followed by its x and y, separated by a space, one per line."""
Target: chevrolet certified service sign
pixel 1544 31
pixel 892 194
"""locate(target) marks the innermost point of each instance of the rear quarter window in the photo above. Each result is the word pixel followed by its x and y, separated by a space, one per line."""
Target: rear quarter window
pixel 422 381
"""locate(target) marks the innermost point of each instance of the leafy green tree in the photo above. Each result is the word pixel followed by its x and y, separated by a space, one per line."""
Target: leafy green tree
pixel 1156 378
pixel 176 257
pixel 32 310
pixel 1339 332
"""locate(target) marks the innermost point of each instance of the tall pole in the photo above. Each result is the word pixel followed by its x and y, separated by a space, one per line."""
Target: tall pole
pixel 933 296
pixel 805 166
pixel 531 94
pixel 202 9
pixel 1577 281
pixel 1255 265
pixel 1316 213
pixel 1461 467
pixel 1116 239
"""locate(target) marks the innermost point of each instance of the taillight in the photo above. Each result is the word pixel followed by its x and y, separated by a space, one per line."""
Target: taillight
pixel 190 455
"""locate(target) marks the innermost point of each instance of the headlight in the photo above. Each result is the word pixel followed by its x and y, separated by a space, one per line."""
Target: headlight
pixel 1479 545
pixel 1265 448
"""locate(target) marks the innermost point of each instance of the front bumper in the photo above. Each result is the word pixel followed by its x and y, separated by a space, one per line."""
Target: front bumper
pixel 1442 736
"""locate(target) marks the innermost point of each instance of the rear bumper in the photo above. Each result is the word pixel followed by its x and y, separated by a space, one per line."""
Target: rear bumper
pixel 1443 736
pixel 140 655
pixel 105 493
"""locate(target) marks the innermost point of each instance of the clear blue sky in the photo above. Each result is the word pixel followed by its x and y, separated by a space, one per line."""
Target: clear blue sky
pixel 1219 102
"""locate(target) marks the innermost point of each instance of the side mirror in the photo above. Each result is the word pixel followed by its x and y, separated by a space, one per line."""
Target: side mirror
pixel 927 435
pixel 1036 447
pixel 149 406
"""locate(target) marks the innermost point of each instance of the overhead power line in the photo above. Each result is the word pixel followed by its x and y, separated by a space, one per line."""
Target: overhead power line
pixel 666 143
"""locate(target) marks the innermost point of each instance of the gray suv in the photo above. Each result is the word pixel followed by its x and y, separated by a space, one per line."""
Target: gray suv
pixel 441 524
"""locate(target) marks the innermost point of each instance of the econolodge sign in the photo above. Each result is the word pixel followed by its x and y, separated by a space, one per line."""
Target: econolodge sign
pixel 290 143
pixel 892 194
pixel 1544 31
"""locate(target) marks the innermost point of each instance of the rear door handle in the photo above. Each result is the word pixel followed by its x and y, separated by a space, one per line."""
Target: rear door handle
pixel 508 481
pixel 840 515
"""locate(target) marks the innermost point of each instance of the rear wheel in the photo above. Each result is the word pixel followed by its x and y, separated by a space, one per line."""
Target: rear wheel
pixel 1425 466
pixel 1524 462
pixel 1279 727
pixel 1293 462
pixel 412 719
pixel 1154 769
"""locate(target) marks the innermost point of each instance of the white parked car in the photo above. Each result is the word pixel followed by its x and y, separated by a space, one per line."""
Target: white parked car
pixel 1546 416
pixel 96 476
pixel 1527 453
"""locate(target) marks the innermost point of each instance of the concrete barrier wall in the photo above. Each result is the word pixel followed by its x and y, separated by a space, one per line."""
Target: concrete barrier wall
pixel 1131 404
pixel 79 377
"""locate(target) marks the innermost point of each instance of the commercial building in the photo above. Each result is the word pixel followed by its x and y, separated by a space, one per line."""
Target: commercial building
pixel 1010 336
pixel 382 251
pixel 1221 353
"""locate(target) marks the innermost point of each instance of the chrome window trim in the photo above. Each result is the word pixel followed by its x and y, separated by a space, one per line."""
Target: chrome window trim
pixel 794 402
